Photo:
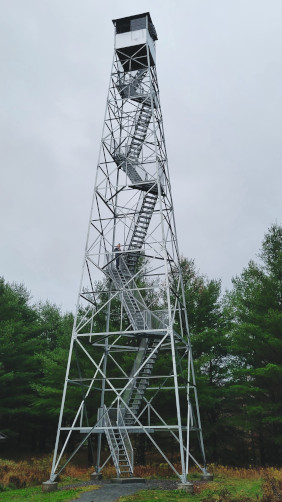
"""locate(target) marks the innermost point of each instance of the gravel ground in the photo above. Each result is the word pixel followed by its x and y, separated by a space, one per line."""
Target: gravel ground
pixel 110 492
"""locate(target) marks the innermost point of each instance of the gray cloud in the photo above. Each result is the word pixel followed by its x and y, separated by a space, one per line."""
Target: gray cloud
pixel 219 68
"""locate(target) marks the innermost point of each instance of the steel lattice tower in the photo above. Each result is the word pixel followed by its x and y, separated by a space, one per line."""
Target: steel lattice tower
pixel 130 354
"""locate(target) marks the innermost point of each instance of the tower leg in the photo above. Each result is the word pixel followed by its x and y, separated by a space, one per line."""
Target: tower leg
pixel 98 459
pixel 49 486
pixel 207 477
pixel 188 487
pixel 53 476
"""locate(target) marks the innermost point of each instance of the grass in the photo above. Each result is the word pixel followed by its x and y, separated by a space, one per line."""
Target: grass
pixel 239 490
pixel 22 481
pixel 23 474
pixel 230 485
pixel 35 494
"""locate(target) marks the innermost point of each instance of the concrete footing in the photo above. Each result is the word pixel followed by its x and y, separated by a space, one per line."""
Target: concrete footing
pixel 49 486
pixel 187 487
pixel 96 476
pixel 207 477
pixel 122 481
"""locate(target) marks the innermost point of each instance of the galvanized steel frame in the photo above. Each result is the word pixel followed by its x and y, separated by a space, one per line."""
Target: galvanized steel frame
pixel 150 267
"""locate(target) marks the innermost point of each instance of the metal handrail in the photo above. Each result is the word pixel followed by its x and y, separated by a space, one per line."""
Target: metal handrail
pixel 126 440
pixel 150 317
pixel 109 431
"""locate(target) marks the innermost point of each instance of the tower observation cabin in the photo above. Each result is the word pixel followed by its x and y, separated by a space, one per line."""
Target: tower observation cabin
pixel 134 36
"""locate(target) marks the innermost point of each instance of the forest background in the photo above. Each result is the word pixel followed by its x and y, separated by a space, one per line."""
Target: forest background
pixel 237 346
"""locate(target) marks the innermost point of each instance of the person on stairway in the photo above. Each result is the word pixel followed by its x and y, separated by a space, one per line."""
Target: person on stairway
pixel 117 250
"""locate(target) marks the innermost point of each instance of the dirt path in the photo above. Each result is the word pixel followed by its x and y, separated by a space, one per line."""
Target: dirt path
pixel 110 492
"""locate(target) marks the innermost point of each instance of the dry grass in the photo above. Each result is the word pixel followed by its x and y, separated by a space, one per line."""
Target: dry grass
pixel 153 471
pixel 245 473
pixel 164 471
pixel 272 488
pixel 32 472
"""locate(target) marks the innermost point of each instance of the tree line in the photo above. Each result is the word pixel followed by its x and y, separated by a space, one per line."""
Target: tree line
pixel 237 347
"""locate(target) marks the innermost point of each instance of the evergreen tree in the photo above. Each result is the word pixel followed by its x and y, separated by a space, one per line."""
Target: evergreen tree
pixel 256 349
pixel 55 333
pixel 209 343
pixel 19 363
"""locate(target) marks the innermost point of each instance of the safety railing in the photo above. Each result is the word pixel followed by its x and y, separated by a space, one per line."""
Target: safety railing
pixel 152 319
pixel 118 438
pixel 125 438
pixel 112 439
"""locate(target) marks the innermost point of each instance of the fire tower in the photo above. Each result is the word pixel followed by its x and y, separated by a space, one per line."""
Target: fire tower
pixel 130 367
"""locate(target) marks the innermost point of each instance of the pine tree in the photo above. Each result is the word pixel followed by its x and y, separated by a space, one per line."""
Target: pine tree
pixel 256 348
pixel 19 363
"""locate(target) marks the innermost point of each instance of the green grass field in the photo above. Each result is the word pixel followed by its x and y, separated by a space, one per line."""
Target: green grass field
pixel 219 491
pixel 35 494
pixel 222 489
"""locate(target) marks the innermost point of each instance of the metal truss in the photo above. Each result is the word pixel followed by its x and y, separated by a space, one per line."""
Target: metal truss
pixel 130 349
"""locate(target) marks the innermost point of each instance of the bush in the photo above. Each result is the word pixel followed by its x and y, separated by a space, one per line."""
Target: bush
pixel 272 489
pixel 30 473
pixel 16 482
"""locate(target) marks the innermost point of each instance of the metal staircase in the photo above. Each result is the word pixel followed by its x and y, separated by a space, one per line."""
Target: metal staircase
pixel 130 164
pixel 141 383
pixel 132 307
pixel 140 130
pixel 140 229
pixel 122 277
pixel 140 318
pixel 131 88
pixel 128 158
pixel 118 441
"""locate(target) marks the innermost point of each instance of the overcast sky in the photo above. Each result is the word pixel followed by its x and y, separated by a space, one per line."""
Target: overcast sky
pixel 219 67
